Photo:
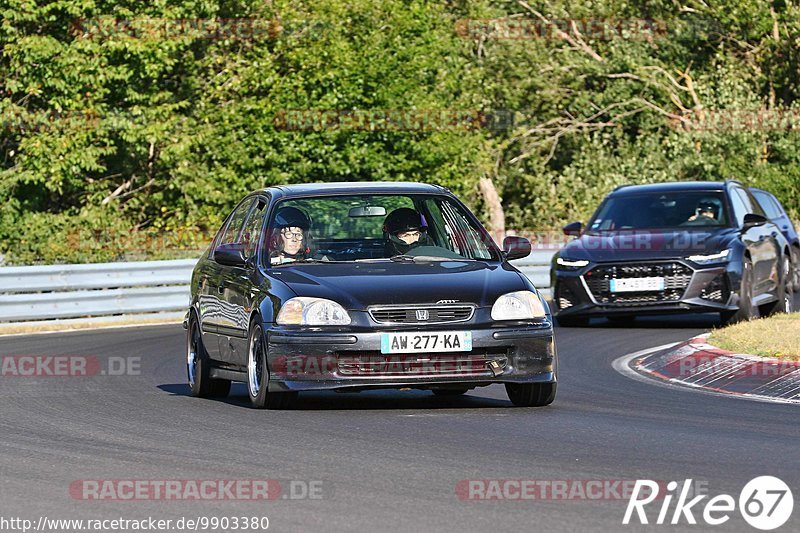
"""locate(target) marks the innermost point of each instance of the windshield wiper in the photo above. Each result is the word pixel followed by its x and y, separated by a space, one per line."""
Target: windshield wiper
pixel 425 258
pixel 403 258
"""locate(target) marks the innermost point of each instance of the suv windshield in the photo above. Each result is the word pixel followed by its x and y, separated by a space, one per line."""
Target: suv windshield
pixel 374 228
pixel 684 210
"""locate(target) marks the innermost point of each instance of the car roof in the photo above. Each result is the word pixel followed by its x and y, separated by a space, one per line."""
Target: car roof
pixel 360 187
pixel 676 186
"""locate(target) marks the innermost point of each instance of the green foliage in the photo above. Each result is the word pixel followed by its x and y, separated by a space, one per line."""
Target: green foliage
pixel 106 129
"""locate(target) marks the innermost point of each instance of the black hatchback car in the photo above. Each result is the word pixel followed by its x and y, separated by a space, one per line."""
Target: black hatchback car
pixel 346 287
pixel 674 248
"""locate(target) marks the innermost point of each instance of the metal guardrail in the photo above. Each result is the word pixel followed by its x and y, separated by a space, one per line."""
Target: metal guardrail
pixel 103 289
pixel 99 289
pixel 537 267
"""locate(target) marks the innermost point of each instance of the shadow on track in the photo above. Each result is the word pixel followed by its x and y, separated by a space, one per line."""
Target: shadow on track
pixel 392 399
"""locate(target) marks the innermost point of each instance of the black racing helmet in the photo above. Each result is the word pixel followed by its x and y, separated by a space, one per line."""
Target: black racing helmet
pixel 403 219
pixel 398 221
pixel 709 205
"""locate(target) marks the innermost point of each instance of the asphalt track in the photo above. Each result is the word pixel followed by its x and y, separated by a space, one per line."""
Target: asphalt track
pixel 387 460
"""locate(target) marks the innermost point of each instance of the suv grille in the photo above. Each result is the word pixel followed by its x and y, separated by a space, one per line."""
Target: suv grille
pixel 676 279
pixel 422 314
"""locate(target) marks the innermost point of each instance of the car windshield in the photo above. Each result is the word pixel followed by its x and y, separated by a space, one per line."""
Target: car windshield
pixel 412 228
pixel 683 210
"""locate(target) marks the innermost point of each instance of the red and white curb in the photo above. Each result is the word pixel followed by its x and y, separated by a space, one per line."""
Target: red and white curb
pixel 703 367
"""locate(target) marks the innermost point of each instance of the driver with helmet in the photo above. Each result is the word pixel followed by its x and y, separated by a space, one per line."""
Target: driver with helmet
pixel 708 210
pixel 405 229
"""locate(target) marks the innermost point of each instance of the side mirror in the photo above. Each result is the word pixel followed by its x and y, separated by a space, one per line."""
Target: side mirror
pixel 230 255
pixel 752 220
pixel 573 228
pixel 516 247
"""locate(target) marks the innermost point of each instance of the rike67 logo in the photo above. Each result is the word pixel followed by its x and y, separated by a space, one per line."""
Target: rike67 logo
pixel 765 503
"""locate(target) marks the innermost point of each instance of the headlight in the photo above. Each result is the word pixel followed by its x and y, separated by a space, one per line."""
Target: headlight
pixel 566 263
pixel 302 311
pixel 520 305
pixel 710 258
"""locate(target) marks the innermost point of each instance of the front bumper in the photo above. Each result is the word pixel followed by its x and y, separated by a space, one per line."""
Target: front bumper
pixel 303 359
pixel 706 289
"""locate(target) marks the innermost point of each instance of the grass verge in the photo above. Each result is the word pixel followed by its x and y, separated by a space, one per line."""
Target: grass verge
pixel 776 336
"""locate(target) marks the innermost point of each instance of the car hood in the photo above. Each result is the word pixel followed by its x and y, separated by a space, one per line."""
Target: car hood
pixel 358 285
pixel 647 245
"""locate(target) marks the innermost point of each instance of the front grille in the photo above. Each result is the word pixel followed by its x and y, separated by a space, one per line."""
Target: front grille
pixel 422 314
pixel 716 290
pixel 376 364
pixel 676 279
pixel 565 298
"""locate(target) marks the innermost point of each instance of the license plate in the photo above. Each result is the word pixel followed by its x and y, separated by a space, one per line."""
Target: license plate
pixel 444 341
pixel 637 284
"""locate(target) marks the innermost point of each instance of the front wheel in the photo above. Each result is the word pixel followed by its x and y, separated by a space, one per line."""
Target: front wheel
pixel 531 394
pixel 747 311
pixel 258 375
pixel 198 366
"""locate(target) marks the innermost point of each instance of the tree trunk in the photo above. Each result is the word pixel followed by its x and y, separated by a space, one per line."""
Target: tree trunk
pixel 497 217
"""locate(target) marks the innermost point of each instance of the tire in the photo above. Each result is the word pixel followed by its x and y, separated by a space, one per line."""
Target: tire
pixel 198 366
pixel 531 394
pixel 258 375
pixel 747 311
pixel 449 392
pixel 573 322
pixel 795 263
pixel 785 293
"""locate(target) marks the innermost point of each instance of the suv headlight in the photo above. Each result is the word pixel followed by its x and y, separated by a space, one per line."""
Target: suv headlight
pixel 566 264
pixel 520 305
pixel 710 258
pixel 302 311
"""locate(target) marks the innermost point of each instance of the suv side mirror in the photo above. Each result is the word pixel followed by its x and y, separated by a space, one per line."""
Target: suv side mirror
pixel 752 220
pixel 230 255
pixel 516 247
pixel 573 228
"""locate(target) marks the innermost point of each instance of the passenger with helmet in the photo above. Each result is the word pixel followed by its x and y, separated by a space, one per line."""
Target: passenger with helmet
pixel 405 229
pixel 707 212
pixel 289 238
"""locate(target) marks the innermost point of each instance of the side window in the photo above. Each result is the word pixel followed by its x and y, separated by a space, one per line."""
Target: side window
pixel 235 223
pixel 466 239
pixel 756 207
pixel 252 228
pixel 768 204
pixel 740 206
